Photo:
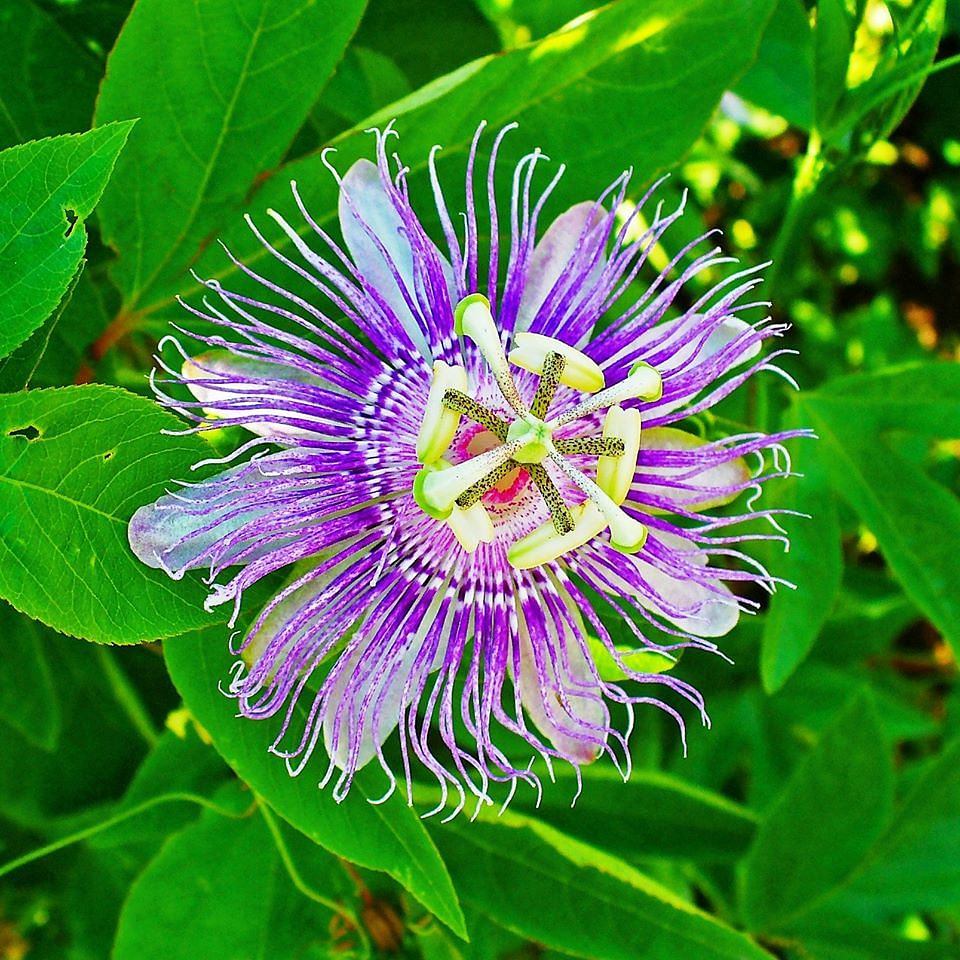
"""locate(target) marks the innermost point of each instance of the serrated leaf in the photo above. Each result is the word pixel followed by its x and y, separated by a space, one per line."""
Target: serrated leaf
pixel 387 836
pixel 221 88
pixel 18 369
pixel 832 45
pixel 47 189
pixel 571 897
pixel 75 463
pixel 814 564
pixel 47 82
pixel 831 812
pixel 593 73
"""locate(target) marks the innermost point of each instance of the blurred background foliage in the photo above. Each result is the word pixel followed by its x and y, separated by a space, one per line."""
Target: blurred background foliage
pixel 819 818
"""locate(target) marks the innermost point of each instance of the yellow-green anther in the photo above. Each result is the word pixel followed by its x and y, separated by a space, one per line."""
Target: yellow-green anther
pixel 579 371
pixel 547 387
pixel 591 446
pixel 439 489
pixel 477 412
pixel 643 383
pixel 626 533
pixel 473 493
pixel 615 474
pixel 440 422
pixel 471 527
pixel 545 543
pixel 473 319
pixel 559 511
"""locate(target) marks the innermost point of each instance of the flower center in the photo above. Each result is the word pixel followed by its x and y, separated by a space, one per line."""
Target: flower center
pixel 478 439
pixel 502 455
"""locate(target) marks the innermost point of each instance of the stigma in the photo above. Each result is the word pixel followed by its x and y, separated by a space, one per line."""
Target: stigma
pixel 516 449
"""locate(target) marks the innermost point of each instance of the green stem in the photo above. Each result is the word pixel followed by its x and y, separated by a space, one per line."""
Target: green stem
pixel 91 831
pixel 126 695
pixel 804 184
pixel 297 880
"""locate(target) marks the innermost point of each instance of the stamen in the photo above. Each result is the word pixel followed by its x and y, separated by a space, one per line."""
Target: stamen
pixel 473 493
pixel 473 319
pixel 436 491
pixel 547 387
pixel 592 446
pixel 477 412
pixel 471 527
pixel 626 534
pixel 580 372
pixel 615 476
pixel 440 422
pixel 544 544
pixel 559 511
pixel 644 383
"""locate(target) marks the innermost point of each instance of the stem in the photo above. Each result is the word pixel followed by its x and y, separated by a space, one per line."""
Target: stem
pixel 297 880
pixel 126 695
pixel 804 184
pixel 92 831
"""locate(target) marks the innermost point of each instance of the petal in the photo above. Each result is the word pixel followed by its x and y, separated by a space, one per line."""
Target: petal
pixel 706 478
pixel 365 208
pixel 562 695
pixel 551 259
pixel 674 342
pixel 182 530
pixel 387 677
pixel 704 607
pixel 239 397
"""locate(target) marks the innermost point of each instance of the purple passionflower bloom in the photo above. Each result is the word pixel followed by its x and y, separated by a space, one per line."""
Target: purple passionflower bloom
pixel 448 444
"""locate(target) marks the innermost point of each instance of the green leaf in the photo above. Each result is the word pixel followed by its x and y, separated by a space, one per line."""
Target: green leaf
pixel 95 755
pixel 178 763
pixel 593 73
pixel 47 82
pixel 833 809
pixel 75 463
pixel 387 836
pixel 563 894
pixel 874 109
pixel 781 79
pixel 18 369
pixel 916 864
pixel 915 520
pixel 657 815
pixel 218 889
pixel 833 44
pixel 221 88
pixel 814 563
pixel 28 699
pixel 47 190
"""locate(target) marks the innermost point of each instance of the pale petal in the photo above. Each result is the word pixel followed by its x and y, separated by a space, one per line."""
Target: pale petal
pixel 675 336
pixel 663 479
pixel 575 724
pixel 551 258
pixel 702 609
pixel 230 402
pixel 170 534
pixel 362 186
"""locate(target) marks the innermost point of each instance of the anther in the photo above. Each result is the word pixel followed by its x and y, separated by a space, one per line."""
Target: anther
pixel 592 446
pixel 559 511
pixel 473 493
pixel 477 412
pixel 547 387
pixel 643 383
